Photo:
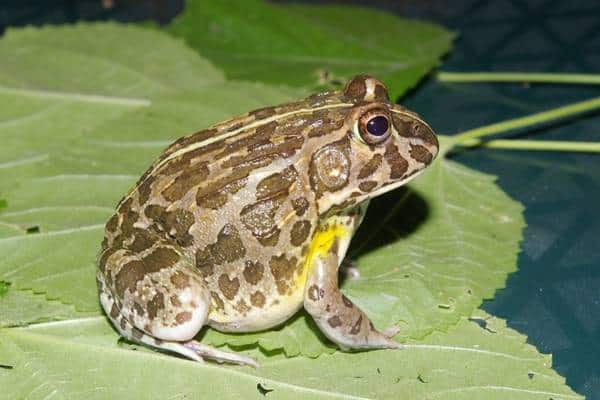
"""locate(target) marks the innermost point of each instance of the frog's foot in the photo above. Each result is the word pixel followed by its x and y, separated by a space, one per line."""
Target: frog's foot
pixel 204 351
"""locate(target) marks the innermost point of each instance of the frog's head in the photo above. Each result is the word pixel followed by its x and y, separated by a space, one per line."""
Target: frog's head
pixel 380 147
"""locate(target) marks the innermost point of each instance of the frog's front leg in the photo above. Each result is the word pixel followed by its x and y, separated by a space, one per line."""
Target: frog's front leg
pixel 337 317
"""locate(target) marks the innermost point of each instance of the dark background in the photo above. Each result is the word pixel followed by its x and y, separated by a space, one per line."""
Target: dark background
pixel 554 298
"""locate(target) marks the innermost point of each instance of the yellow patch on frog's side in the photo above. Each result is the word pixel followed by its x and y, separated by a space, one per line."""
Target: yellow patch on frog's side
pixel 320 246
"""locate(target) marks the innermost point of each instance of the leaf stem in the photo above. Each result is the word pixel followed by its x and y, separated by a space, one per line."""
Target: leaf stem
pixel 539 145
pixel 528 120
pixel 469 77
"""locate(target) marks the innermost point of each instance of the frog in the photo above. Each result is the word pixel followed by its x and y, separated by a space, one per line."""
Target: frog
pixel 241 225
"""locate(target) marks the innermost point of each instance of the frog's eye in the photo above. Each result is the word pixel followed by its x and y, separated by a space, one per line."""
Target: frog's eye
pixel 374 127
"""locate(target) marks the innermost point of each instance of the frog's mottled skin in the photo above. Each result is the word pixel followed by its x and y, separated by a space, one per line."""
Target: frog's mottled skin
pixel 241 225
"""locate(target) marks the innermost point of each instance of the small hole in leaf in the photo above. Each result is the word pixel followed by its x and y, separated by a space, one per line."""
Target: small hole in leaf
pixel 421 379
pixel 530 375
pixel 33 229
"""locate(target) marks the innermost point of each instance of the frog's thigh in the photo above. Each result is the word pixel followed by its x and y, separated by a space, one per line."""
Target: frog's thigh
pixel 157 292
pixel 166 309
pixel 337 317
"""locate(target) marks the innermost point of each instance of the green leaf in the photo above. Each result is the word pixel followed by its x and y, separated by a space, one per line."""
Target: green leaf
pixel 311 46
pixel 480 359
pixel 447 243
pixel 21 307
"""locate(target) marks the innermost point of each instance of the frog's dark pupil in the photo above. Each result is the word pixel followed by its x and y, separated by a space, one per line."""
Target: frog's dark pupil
pixel 378 126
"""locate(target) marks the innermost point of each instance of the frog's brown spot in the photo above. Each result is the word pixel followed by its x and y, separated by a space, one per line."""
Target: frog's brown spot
pixel 229 287
pixel 421 154
pixel 282 270
pixel 271 240
pixel 265 154
pixel 136 333
pixel 262 113
pixel 315 293
pixel 300 205
pixel 367 186
pixel 256 137
pixel 257 299
pixel 381 93
pixel 356 327
pixel 347 302
pixel 300 232
pixel 129 217
pixel 181 221
pixel 253 272
pixel 161 257
pixel 143 240
pixel 398 165
pixel 176 223
pixel 112 223
pixel 128 277
pixel 334 321
pixel 180 280
pixel 191 176
pixel 229 246
pixel 329 168
pixel 217 301
pixel 175 301
pixel 139 310
pixel 123 323
pixel 259 218
pixel 409 127
pixel 114 311
pixel 157 303
pixel 145 188
pixel 241 306
pixel 106 255
pixel 214 194
pixel 327 126
pixel 156 213
pixel 370 167
pixel 275 183
pixel 187 140
pixel 183 317
pixel 356 89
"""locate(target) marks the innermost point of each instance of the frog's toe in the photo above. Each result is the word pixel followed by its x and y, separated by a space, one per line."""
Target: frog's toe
pixel 391 331
pixel 219 356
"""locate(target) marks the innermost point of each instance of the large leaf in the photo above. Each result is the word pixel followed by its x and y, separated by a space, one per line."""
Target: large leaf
pixel 448 242
pixel 310 45
pixel 479 359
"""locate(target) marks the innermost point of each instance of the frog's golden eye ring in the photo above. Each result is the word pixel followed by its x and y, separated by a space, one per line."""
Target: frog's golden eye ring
pixel 374 126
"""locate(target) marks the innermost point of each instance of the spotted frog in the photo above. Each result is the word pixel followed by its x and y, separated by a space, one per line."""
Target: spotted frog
pixel 241 225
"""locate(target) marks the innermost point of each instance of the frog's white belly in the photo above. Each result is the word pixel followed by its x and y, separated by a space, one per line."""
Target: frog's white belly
pixel 280 310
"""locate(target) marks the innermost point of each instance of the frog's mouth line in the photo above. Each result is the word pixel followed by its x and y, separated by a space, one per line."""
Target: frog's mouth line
pixel 395 185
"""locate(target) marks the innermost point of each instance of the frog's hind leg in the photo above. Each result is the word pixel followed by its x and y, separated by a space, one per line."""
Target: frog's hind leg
pixel 166 325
